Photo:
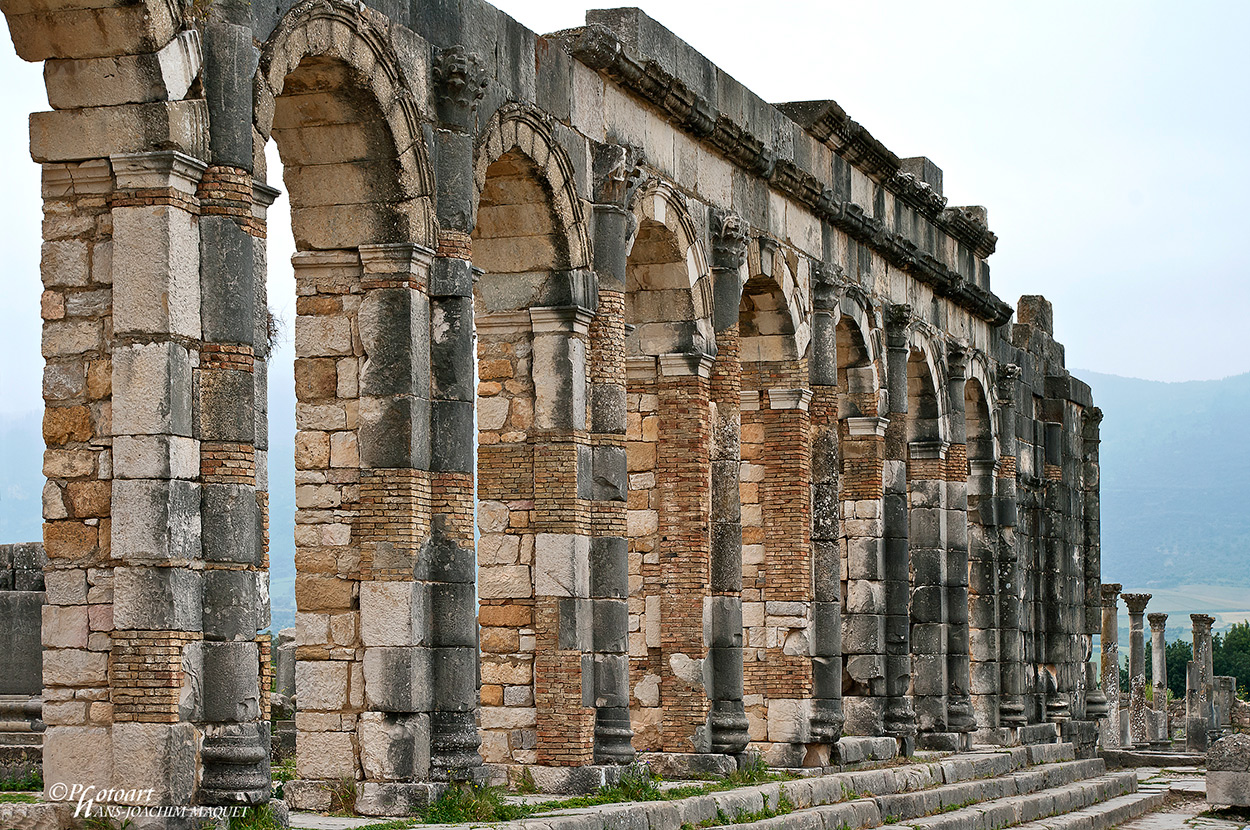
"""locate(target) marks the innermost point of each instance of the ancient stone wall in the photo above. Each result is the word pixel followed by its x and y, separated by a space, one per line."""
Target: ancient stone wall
pixel 634 413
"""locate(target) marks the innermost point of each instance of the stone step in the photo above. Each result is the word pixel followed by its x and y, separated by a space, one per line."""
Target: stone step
pixel 1011 810
pixel 1110 813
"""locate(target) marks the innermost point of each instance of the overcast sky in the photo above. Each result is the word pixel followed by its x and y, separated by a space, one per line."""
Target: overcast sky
pixel 1107 139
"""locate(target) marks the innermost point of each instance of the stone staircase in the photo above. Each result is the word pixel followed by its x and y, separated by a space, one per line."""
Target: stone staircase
pixel 1039 787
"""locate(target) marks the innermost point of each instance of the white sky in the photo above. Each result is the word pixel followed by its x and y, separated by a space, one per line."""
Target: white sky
pixel 1107 139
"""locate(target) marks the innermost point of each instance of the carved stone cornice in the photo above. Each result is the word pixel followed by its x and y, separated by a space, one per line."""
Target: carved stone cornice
pixel 729 239
pixel 599 48
pixel 459 83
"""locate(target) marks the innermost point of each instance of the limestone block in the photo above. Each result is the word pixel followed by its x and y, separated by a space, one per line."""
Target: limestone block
pixel 325 755
pixel 74 667
pixel 157 599
pixel 156 520
pixel 160 756
pixel 504 582
pixel 125 79
pixel 561 565
pixel 81 754
pixel 71 135
pixel 498 549
pixel 322 685
pixel 156 456
pixel 231 690
pixel 492 413
pixel 399 679
pixel 64 626
pixel 20 642
pixel 157 288
pixel 394 614
pixel 65 587
pixel 231 524
pixel 232 604
pixel 226 405
pixel 326 335
pixel 151 383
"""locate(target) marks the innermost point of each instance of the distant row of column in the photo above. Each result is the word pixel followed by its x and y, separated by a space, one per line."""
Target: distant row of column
pixel 1148 722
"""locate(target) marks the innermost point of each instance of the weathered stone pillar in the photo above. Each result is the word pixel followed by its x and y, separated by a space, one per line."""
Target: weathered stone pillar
pixel 616 177
pixel 900 714
pixel 1199 687
pixel 1137 668
pixel 1159 674
pixel 1110 651
pixel 1010 574
pixel 1095 698
pixel 727 719
pixel 458 84
pixel 826 717
pixel 959 715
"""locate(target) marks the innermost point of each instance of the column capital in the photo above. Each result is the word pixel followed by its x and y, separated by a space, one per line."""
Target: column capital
pixel 898 317
pixel 1136 602
pixel 729 239
pixel 618 174
pixel 957 354
pixel 459 83
pixel 827 285
pixel 1005 385
pixel 1110 592
pixel 1157 620
pixel 1202 623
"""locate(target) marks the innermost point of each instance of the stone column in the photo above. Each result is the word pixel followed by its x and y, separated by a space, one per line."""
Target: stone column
pixel 1199 687
pixel 827 718
pixel 1095 698
pixel 900 714
pixel 727 719
pixel 1137 668
pixel 616 177
pixel 1110 649
pixel 458 85
pixel 959 714
pixel 1159 674
pixel 1010 574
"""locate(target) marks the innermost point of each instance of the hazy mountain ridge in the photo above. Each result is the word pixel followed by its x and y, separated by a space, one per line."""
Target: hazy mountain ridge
pixel 1175 481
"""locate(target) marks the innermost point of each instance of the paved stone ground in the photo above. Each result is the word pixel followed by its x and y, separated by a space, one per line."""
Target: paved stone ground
pixel 1186 811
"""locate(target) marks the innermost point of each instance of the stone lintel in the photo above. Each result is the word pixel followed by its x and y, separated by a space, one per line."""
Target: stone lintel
pixel 263 195
pixel 867 426
pixel 162 169
pixel 789 398
pixel 396 258
pixel 572 319
pixel 62 180
pixel 685 365
pixel 314 264
pixel 502 321
pixel 928 449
